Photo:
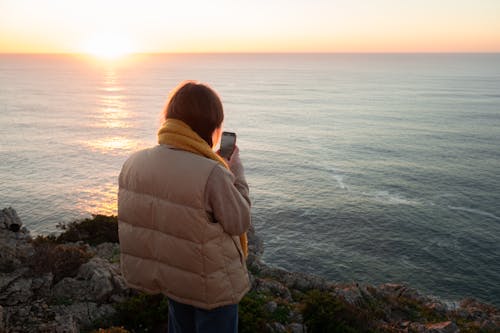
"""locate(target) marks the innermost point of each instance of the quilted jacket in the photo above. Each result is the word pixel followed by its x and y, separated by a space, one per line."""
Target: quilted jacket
pixel 179 217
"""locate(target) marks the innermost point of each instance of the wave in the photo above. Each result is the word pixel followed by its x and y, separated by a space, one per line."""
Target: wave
pixel 475 211
pixel 392 199
pixel 340 181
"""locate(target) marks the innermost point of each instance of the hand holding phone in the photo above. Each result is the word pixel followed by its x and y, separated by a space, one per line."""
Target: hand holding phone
pixel 227 144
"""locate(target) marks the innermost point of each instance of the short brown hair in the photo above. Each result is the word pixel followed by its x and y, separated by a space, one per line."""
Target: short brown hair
pixel 198 106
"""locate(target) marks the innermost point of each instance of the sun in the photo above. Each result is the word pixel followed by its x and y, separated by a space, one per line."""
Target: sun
pixel 108 46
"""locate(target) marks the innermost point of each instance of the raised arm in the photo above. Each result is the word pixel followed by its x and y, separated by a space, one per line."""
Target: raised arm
pixel 227 197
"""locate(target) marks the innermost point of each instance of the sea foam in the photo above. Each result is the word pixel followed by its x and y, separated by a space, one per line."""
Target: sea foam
pixel 475 211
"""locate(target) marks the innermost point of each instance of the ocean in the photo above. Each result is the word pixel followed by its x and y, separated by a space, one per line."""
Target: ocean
pixel 371 168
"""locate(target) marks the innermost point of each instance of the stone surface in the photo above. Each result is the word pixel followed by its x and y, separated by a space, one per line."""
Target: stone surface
pixel 276 327
pixel 97 280
pixel 84 313
pixel 296 328
pixel 17 292
pixel 443 327
pixel 42 285
pixel 271 306
pixel 10 219
pixel 15 248
pixel 32 303
pixel 295 280
pixel 108 251
pixel 99 275
pixel 268 286
pixel 2 321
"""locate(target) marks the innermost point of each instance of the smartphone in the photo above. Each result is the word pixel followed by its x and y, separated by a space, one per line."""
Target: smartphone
pixel 227 144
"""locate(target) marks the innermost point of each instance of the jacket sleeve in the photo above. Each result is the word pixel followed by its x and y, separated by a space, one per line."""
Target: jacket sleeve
pixel 226 198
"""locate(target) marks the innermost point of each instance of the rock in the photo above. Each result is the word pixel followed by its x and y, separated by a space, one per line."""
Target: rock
pixel 296 328
pixel 74 301
pixel 255 244
pixel 276 327
pixel 85 313
pixel 61 324
pixel 404 324
pixel 9 277
pixel 70 289
pixel 296 280
pixel 17 292
pixel 488 325
pixel 271 306
pixel 109 251
pixel 39 317
pixel 66 324
pixel 42 285
pixel 2 320
pixel 401 290
pixel 96 281
pixel 443 327
pixel 97 272
pixel 121 289
pixel 471 309
pixel 32 302
pixel 351 294
pixel 437 307
pixel 296 316
pixel 273 287
pixel 15 249
pixel 10 220
pixel 23 312
pixel 417 328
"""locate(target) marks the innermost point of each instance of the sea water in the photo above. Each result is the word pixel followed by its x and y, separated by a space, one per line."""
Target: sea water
pixel 362 167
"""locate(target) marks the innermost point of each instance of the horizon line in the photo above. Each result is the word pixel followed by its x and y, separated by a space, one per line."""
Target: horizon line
pixel 258 52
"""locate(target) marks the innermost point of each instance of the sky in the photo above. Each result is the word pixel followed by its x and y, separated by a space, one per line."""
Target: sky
pixel 110 26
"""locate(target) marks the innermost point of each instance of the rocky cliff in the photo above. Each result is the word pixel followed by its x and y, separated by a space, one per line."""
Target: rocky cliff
pixel 72 283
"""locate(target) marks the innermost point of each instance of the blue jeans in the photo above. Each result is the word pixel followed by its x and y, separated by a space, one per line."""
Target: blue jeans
pixel 183 318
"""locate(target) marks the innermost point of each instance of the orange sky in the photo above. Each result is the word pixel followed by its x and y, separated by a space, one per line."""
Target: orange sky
pixel 112 27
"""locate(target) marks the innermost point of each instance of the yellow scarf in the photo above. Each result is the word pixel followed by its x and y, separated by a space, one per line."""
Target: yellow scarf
pixel 178 134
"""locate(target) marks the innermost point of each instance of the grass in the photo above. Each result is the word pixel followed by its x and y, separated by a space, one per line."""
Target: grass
pixel 252 314
pixel 139 313
pixel 324 312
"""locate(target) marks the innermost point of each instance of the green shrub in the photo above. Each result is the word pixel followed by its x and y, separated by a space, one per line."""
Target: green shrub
pixel 281 314
pixel 251 313
pixel 143 313
pixel 98 229
pixel 323 312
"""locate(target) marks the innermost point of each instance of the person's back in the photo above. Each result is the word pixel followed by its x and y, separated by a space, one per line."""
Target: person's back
pixel 182 214
pixel 174 231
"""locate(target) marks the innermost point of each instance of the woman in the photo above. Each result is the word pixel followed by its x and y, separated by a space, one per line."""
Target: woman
pixel 182 216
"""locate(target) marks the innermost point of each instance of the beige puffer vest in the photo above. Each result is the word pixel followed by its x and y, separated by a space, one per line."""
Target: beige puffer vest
pixel 167 240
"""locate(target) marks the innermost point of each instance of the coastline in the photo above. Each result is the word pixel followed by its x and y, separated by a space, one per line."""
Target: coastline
pixel 72 283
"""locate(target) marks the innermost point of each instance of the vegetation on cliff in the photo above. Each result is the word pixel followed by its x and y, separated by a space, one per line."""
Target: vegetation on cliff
pixel 73 281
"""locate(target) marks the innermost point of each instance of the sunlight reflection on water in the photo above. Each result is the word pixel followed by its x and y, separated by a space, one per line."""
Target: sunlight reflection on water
pixel 113 114
pixel 99 200
pixel 112 145
pixel 113 111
